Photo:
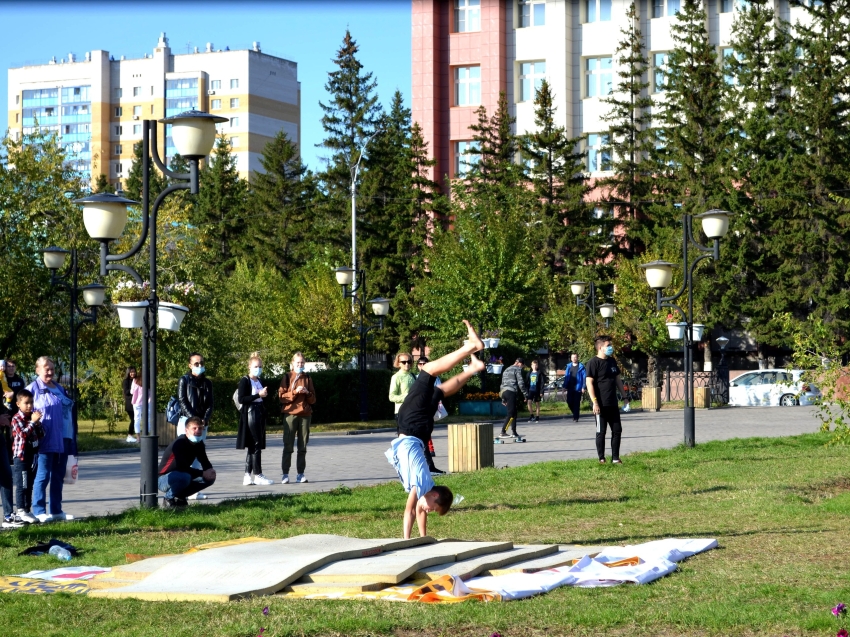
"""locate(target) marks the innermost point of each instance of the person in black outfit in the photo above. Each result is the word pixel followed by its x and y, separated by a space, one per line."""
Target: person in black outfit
pixel 511 392
pixel 177 477
pixel 603 381
pixel 127 390
pixel 195 393
pixel 252 421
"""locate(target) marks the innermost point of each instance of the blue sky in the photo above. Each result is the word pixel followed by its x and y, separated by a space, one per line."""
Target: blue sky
pixel 307 32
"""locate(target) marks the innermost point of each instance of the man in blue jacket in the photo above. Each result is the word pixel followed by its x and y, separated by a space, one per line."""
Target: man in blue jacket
pixel 574 381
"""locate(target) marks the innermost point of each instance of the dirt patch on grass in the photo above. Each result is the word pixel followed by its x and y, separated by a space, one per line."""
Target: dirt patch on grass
pixel 823 490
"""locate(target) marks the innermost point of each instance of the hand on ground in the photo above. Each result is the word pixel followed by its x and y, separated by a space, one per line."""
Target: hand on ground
pixel 474 340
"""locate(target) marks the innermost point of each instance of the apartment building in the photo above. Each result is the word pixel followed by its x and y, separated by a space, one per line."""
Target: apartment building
pixel 95 105
pixel 465 52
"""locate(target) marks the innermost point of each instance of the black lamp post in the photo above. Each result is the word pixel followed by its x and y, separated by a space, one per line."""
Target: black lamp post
pixel 380 307
pixel 723 368
pixel 659 275
pixel 93 294
pixel 606 310
pixel 105 216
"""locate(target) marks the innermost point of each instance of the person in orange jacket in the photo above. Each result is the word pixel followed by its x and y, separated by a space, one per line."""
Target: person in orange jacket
pixel 297 397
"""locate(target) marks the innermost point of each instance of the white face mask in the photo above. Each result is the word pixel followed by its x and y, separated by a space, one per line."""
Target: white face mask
pixel 256 372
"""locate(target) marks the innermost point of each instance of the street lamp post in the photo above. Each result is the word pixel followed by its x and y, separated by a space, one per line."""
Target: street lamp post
pixel 723 368
pixel 606 310
pixel 380 307
pixel 93 294
pixel 105 216
pixel 355 171
pixel 659 275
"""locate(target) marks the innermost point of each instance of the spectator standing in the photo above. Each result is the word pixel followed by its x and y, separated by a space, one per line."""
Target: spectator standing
pixel 401 382
pixel 536 381
pixel 178 477
pixel 603 381
pixel 297 397
pixel 252 422
pixel 195 395
pixel 12 384
pixel 26 433
pixel 60 441
pixel 13 381
pixel 137 400
pixel 575 377
pixel 512 384
pixel 127 391
pixel 9 521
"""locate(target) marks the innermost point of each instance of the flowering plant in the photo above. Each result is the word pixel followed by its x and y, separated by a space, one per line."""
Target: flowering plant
pixel 128 291
pixel 839 611
pixel 492 333
pixel 181 293
pixel 487 395
pixel 496 360
pixel 671 318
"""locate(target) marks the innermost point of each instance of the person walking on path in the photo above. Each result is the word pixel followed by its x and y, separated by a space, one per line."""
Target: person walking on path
pixel 12 383
pixel 26 433
pixel 603 381
pixel 401 382
pixel 127 391
pixel 574 382
pixel 252 422
pixel 297 397
pixel 195 395
pixel 536 381
pixel 137 400
pixel 416 422
pixel 512 384
pixel 60 441
pixel 178 476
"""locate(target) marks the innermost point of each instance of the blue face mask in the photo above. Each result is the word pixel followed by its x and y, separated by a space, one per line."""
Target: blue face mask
pixel 197 371
pixel 609 350
pixel 256 371
pixel 195 439
pixel 299 370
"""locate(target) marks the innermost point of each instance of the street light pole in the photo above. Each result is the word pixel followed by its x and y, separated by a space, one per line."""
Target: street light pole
pixel 659 274
pixel 355 171
pixel 606 310
pixel 380 307
pixel 105 217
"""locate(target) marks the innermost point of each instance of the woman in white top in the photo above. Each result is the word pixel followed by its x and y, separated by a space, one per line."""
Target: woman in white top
pixel 252 421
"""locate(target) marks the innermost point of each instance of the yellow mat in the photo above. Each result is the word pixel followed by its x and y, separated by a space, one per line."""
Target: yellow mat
pixel 41 586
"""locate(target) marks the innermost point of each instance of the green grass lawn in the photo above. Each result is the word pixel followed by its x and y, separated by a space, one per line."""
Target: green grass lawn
pixel 778 507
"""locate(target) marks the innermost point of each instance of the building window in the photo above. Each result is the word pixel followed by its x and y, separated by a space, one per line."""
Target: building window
pixel 531 76
pixel 598 77
pixel 119 130
pixel 234 141
pixel 467 85
pixel 602 215
pixel 118 149
pixel 467 15
pixel 119 168
pixel 726 6
pixel 151 90
pixel 151 109
pixel 137 129
pixel 726 54
pixel 234 83
pixel 234 103
pixel 466 156
pixel 137 91
pixel 532 13
pixel 743 5
pixel 658 8
pixel 598 153
pixel 215 105
pixel 137 111
pixel 598 10
pixel 119 111
pixel 117 93
pixel 659 71
pixel 215 84
pixel 234 122
pixel 17 99
pixel 17 117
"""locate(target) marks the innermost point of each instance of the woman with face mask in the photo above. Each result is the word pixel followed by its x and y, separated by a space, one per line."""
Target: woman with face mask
pixel 252 421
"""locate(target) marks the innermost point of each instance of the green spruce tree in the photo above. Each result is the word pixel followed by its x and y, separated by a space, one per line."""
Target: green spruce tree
pixel 495 171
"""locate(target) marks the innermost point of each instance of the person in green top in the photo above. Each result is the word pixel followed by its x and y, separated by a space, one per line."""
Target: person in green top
pixel 402 380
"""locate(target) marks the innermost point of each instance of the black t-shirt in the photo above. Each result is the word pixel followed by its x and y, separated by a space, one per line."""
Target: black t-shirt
pixel 604 373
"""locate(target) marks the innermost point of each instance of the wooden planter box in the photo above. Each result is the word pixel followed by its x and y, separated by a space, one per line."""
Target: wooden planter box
pixel 470 447
pixel 651 398
pixel 481 408
pixel 166 432
pixel 702 397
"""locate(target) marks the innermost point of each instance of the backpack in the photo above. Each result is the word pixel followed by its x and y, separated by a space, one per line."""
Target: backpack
pixel 172 411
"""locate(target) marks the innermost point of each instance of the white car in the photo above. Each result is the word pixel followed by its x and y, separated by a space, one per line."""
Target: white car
pixel 772 387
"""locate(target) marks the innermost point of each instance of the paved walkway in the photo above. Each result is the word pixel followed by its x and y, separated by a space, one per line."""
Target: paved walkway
pixel 109 483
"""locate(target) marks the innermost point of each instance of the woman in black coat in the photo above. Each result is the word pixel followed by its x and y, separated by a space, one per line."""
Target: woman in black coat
pixel 127 388
pixel 252 421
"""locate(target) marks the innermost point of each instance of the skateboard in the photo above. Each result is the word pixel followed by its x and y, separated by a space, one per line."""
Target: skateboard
pixel 502 441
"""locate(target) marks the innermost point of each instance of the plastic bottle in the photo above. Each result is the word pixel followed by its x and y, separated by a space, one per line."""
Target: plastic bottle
pixel 60 554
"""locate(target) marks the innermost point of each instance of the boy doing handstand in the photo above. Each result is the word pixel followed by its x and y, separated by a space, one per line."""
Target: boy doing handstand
pixel 415 424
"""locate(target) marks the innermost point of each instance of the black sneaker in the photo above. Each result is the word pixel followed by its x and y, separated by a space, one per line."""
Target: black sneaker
pixel 181 502
pixel 169 503
pixel 531 419
pixel 435 471
pixel 505 434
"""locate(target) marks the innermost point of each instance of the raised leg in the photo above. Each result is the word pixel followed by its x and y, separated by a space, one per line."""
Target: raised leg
pixel 447 362
pixel 453 384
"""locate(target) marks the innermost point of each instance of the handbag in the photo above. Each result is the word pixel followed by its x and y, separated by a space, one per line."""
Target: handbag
pixel 441 411
pixel 71 471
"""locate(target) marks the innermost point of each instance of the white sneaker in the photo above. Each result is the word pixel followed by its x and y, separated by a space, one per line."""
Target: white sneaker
pixel 247 480
pixel 131 439
pixel 301 478
pixel 262 480
pixel 44 517
pixel 284 479
pixel 62 516
pixel 197 496
pixel 27 517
